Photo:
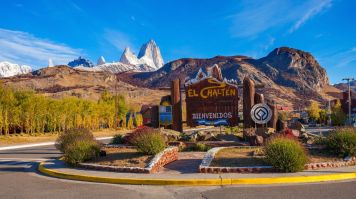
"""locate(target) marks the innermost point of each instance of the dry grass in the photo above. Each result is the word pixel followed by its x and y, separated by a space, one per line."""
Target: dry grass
pixel 317 155
pixel 237 157
pixel 47 137
pixel 123 157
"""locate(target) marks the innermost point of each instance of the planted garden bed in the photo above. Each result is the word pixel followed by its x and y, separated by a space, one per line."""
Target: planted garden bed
pixel 252 159
pixel 123 157
pixel 129 159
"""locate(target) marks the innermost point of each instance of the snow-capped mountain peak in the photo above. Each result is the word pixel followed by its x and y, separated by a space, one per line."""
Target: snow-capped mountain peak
pixel 101 61
pixel 50 63
pixel 150 52
pixel 81 61
pixel 8 69
pixel 128 57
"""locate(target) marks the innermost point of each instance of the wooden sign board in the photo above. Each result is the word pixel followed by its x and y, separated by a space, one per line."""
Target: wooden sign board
pixel 212 102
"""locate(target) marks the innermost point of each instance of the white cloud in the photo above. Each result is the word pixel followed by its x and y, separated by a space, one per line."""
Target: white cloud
pixel 118 39
pixel 314 8
pixel 340 59
pixel 24 48
pixel 258 16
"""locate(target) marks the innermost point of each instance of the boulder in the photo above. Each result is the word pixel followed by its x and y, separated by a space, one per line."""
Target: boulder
pixel 170 135
pixel 296 133
pixel 259 140
pixel 297 126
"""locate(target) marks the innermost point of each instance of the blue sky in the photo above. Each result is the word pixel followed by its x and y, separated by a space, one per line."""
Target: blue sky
pixel 31 32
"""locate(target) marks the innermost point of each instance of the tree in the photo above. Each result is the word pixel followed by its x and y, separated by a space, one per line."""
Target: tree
pixel 130 124
pixel 314 110
pixel 323 116
pixel 282 115
pixel 338 117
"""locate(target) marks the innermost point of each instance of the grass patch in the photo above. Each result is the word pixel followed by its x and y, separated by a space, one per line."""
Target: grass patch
pixel 14 139
pixel 241 157
pixel 321 155
pixel 237 157
pixel 123 157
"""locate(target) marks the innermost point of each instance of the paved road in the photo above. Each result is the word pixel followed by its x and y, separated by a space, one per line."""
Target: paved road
pixel 19 179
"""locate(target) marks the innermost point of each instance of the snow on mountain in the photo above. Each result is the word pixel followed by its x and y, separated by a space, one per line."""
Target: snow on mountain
pixel 151 55
pixel 149 59
pixel 116 67
pixel 50 63
pixel 8 69
pixel 101 61
pixel 81 62
pixel 128 57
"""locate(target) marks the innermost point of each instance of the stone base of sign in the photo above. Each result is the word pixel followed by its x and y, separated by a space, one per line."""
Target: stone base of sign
pixel 169 155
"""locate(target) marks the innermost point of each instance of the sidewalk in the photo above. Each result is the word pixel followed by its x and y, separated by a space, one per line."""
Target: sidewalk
pixel 58 169
pixel 20 146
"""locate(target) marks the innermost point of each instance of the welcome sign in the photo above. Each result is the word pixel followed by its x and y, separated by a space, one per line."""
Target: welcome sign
pixel 211 102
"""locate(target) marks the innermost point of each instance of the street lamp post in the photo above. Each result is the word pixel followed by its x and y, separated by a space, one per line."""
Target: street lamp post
pixel 349 97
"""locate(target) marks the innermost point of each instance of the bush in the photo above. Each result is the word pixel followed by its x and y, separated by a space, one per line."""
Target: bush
pixel 118 139
pixel 342 142
pixel 201 147
pixel 70 136
pixel 285 154
pixel 80 151
pixel 131 137
pixel 288 133
pixel 150 143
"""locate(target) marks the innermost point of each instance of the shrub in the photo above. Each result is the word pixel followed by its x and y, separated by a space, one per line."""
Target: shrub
pixel 150 143
pixel 67 138
pixel 131 137
pixel 342 142
pixel 201 147
pixel 118 139
pixel 80 151
pixel 288 133
pixel 285 154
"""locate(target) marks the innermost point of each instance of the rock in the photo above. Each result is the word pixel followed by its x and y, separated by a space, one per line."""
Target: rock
pixel 170 135
pixel 304 135
pixel 296 133
pixel 259 140
pixel 297 126
pixel 310 140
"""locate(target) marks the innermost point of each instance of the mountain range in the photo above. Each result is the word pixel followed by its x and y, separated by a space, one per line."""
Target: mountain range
pixel 148 59
pixel 289 76
pixel 8 69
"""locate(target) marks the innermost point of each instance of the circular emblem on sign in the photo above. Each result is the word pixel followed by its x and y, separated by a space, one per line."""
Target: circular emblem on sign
pixel 261 113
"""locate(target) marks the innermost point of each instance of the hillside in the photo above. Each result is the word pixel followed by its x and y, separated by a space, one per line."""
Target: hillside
pixel 290 77
pixel 62 81
pixel 345 87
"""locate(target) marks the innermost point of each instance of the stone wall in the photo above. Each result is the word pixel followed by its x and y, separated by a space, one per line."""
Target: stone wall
pixel 169 155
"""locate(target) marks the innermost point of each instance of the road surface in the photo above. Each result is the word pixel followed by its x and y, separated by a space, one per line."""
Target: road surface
pixel 19 179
